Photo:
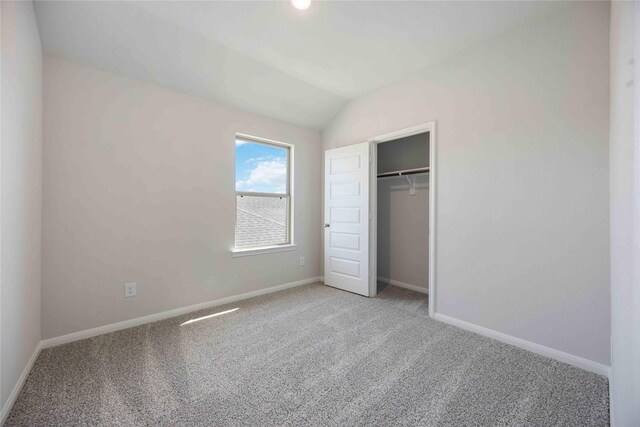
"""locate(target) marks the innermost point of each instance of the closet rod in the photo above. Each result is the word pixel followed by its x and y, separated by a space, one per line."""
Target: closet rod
pixel 404 172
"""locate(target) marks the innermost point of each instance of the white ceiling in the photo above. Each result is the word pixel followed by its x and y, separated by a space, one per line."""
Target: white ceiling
pixel 268 58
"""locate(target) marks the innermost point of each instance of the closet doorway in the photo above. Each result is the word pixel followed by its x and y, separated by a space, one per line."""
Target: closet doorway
pixel 402 206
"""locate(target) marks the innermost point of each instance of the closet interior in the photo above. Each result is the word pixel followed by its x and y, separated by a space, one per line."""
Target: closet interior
pixel 403 212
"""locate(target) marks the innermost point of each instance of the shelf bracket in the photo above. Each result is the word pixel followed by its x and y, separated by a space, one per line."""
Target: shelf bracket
pixel 412 185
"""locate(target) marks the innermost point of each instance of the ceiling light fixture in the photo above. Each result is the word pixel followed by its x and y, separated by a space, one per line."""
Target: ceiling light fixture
pixel 301 4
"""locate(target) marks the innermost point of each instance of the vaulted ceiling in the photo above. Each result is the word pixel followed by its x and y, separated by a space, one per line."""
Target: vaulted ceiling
pixel 266 57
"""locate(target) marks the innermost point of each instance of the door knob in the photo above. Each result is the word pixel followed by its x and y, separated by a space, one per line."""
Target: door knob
pixel 326 226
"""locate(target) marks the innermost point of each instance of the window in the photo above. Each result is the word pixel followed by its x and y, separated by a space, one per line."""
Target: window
pixel 263 194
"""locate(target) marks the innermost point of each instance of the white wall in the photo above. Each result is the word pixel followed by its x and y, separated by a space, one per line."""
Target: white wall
pixel 625 214
pixel 21 189
pixel 139 187
pixel 523 193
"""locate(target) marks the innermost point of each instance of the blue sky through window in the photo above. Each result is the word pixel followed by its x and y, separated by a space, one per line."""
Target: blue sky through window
pixel 260 168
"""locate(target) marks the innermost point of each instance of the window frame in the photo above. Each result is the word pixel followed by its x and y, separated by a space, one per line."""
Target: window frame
pixel 280 247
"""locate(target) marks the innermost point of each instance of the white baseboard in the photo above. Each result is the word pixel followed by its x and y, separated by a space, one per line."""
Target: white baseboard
pixel 88 333
pixel 578 362
pixel 403 285
pixel 16 389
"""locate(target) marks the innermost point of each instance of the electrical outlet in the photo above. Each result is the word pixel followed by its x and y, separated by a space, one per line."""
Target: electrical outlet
pixel 301 260
pixel 129 290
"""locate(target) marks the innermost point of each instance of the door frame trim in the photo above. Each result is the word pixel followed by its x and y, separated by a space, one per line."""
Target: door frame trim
pixel 429 127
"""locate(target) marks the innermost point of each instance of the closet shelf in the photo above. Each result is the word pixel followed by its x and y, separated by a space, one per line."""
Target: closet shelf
pixel 404 172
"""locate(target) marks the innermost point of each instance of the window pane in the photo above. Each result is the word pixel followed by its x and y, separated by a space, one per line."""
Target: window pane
pixel 261 221
pixel 261 168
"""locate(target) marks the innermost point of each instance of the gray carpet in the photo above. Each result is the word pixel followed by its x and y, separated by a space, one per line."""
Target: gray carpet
pixel 313 356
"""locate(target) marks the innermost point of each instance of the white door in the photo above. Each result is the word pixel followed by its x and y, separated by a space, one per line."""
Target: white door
pixel 346 216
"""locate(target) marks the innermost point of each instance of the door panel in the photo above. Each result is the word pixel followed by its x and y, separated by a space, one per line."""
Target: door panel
pixel 346 213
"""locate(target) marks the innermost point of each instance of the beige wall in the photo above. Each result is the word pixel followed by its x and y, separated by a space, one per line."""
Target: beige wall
pixel 21 188
pixel 625 214
pixel 403 219
pixel 522 187
pixel 411 152
pixel 139 187
pixel 403 230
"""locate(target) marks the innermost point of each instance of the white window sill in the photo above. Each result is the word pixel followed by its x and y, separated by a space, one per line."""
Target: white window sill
pixel 238 252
